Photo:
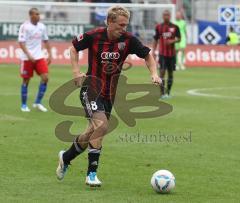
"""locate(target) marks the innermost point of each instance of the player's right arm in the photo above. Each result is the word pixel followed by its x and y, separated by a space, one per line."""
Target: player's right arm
pixel 79 43
pixel 25 50
pixel 77 75
pixel 136 47
pixel 22 37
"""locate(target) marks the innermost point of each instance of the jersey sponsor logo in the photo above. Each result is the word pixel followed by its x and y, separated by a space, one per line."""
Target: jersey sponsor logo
pixel 79 37
pixel 37 35
pixel 166 35
pixel 121 46
pixel 110 55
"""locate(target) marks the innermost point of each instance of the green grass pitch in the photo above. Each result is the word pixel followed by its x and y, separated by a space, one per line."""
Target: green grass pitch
pixel 207 167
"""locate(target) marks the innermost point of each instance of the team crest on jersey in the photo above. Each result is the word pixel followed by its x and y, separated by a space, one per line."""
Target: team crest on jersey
pixel 171 29
pixel 79 37
pixel 121 45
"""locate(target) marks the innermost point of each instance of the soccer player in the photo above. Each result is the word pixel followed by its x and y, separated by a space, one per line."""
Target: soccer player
pixel 31 35
pixel 108 48
pixel 166 35
pixel 232 38
pixel 180 46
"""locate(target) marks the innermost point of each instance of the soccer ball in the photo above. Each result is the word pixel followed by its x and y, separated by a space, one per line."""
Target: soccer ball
pixel 163 181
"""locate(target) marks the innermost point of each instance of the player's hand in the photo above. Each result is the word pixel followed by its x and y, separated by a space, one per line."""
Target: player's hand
pixel 171 41
pixel 156 80
pixel 78 78
pixel 31 59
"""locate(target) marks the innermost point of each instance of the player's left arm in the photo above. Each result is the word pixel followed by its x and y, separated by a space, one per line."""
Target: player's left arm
pixel 152 66
pixel 177 37
pixel 155 42
pixel 136 47
pixel 185 29
pixel 48 48
pixel 47 44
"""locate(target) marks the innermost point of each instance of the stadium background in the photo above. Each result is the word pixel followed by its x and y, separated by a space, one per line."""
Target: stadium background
pixel 203 28
pixel 205 113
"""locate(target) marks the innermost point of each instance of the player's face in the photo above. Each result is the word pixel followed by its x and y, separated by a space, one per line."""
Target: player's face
pixel 119 26
pixel 166 17
pixel 178 16
pixel 35 16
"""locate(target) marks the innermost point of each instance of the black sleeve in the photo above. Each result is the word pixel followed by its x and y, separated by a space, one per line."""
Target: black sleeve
pixel 156 36
pixel 82 42
pixel 178 35
pixel 136 47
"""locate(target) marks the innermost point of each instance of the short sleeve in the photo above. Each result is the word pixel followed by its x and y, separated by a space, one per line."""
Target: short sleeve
pixel 44 35
pixel 136 47
pixel 156 35
pixel 82 42
pixel 22 35
pixel 178 32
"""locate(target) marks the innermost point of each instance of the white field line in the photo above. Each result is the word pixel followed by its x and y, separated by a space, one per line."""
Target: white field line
pixel 200 92
pixel 6 117
pixel 10 94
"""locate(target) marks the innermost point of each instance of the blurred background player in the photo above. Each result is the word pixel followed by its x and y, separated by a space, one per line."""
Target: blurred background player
pixel 180 46
pixel 31 35
pixel 108 48
pixel 232 38
pixel 166 35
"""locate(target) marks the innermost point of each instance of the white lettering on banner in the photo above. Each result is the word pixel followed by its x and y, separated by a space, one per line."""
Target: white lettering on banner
pixel 64 30
pixel 196 55
pixel 54 52
pixel 66 54
pixel 191 56
pixel 10 52
pixel 14 52
pixel 205 56
pixel 213 56
pixel 54 30
pixel 10 29
pixel 3 53
pixel 18 52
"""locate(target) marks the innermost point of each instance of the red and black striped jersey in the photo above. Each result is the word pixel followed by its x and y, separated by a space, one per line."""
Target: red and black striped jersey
pixel 106 57
pixel 164 32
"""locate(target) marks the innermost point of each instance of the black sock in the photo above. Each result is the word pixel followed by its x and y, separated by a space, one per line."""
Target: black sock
pixel 162 87
pixel 169 85
pixel 72 152
pixel 93 159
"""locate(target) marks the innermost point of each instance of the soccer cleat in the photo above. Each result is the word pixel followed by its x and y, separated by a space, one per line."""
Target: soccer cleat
pixel 62 168
pixel 24 108
pixel 165 96
pixel 92 180
pixel 40 107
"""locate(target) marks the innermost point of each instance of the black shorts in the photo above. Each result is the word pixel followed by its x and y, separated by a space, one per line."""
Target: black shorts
pixel 167 63
pixel 92 104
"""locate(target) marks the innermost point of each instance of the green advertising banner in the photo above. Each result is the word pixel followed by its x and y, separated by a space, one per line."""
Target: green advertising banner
pixel 62 32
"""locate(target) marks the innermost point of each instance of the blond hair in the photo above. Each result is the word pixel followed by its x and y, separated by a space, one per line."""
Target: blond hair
pixel 115 11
